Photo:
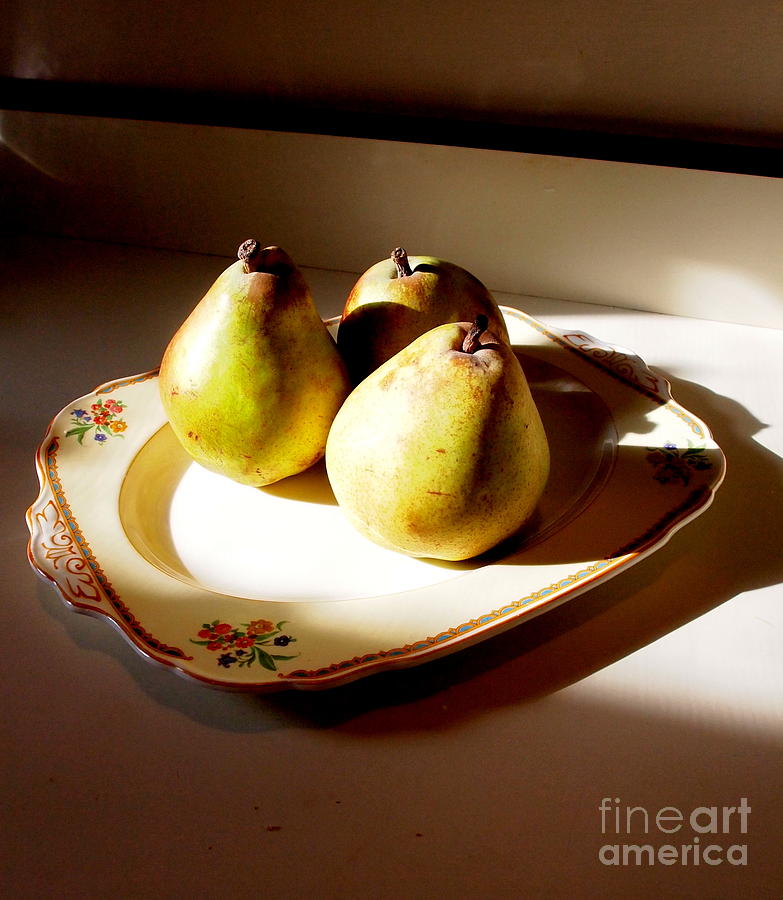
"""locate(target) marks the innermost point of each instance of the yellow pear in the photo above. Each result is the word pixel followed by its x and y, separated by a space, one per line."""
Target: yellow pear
pixel 252 379
pixel 441 451
pixel 399 299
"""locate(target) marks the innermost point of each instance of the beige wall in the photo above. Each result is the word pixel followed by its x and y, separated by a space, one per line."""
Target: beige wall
pixel 696 243
pixel 703 244
pixel 690 67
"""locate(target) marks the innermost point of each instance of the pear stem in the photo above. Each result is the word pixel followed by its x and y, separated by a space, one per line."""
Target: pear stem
pixel 400 258
pixel 248 253
pixel 472 342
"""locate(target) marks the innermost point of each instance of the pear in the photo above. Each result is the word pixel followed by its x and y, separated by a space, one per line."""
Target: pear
pixel 400 298
pixel 252 379
pixel 440 452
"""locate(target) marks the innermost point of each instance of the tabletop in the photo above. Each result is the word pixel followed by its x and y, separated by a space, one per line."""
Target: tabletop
pixel 626 744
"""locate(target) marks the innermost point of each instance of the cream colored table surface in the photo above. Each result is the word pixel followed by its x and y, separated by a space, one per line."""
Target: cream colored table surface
pixel 477 775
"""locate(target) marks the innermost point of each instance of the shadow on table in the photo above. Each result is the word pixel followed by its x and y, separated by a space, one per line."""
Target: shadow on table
pixel 732 548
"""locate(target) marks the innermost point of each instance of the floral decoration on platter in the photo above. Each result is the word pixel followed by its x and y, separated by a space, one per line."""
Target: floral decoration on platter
pixel 104 417
pixel 244 645
pixel 673 465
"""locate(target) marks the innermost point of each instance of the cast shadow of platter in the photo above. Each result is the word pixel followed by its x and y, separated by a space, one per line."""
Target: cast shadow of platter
pixel 733 547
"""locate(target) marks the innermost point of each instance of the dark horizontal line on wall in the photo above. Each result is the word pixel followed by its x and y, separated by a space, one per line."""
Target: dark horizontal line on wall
pixel 262 113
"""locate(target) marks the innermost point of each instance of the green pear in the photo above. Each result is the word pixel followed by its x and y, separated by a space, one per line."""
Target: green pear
pixel 440 452
pixel 252 379
pixel 400 298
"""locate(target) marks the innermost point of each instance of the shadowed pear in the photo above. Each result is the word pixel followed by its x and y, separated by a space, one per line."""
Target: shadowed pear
pixel 399 299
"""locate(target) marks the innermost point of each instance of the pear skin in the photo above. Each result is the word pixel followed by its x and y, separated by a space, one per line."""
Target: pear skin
pixel 252 379
pixel 399 299
pixel 440 452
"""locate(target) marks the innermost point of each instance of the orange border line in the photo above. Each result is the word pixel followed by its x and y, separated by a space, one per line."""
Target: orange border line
pixel 102 583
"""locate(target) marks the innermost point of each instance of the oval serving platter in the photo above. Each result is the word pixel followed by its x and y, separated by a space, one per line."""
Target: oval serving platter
pixel 266 589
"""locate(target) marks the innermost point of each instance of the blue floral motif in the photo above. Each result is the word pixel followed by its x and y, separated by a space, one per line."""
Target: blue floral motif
pixel 673 465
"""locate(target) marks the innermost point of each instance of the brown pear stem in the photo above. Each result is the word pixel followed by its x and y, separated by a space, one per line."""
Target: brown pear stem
pixel 472 342
pixel 400 258
pixel 248 253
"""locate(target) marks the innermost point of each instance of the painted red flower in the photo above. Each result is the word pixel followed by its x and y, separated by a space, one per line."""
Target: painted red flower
pixel 243 644
pixel 101 419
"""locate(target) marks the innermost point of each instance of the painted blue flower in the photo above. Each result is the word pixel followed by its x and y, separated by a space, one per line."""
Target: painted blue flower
pixel 669 446
pixel 82 414
pixel 100 437
pixel 226 659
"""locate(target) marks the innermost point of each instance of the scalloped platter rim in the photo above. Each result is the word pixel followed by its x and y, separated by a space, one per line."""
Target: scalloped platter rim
pixel 123 521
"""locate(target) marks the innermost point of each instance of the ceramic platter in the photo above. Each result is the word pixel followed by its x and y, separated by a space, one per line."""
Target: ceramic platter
pixel 270 588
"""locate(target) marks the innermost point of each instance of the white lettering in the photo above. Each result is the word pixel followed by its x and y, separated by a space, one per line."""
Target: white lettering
pixel 674 815
pixel 739 858
pixel 667 855
pixel 602 809
pixel 744 811
pixel 668 820
pixel 629 812
pixel 712 813
pixel 638 849
pixel 609 854
pixel 707 854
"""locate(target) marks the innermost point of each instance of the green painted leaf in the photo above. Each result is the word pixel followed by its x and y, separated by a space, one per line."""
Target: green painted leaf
pixel 266 660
